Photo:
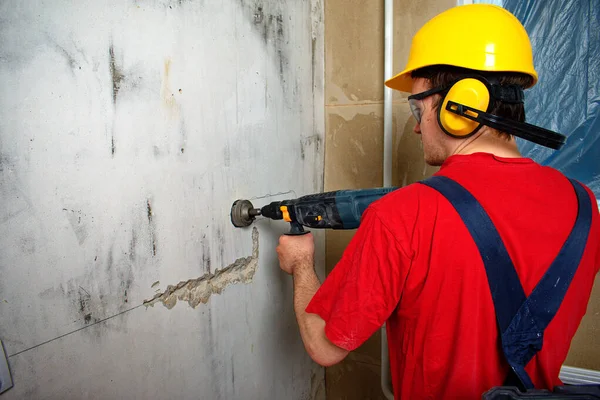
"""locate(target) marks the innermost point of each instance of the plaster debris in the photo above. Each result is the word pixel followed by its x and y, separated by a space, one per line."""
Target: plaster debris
pixel 199 290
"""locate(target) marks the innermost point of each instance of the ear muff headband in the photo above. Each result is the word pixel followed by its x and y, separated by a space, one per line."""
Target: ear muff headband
pixel 462 113
pixel 532 133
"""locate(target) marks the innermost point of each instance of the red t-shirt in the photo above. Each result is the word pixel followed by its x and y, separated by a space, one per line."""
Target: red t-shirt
pixel 413 265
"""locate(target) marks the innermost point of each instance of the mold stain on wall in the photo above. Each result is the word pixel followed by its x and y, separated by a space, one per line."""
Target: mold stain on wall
pixel 313 141
pixel 269 24
pixel 116 76
pixel 151 223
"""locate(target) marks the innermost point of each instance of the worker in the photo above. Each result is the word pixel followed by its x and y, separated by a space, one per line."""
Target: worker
pixel 456 325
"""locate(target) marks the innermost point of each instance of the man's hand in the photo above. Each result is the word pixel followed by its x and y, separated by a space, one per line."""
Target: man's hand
pixel 296 251
pixel 296 257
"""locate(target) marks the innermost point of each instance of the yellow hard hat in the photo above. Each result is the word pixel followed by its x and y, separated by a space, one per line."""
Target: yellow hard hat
pixel 481 37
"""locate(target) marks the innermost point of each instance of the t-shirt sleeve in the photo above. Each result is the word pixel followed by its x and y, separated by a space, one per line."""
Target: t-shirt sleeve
pixel 365 286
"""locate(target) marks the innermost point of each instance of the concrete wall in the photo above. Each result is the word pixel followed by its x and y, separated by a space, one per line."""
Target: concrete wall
pixel 127 129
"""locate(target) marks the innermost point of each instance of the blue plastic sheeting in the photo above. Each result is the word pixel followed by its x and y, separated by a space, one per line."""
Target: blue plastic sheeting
pixel 565 35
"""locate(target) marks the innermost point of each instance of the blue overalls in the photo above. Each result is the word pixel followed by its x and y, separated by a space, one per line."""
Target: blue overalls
pixel 521 320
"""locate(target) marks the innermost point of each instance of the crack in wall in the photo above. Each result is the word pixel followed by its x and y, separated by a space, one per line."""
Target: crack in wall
pixel 199 290
pixel 273 195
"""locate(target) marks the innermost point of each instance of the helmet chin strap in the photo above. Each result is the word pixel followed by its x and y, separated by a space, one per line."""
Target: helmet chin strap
pixel 511 94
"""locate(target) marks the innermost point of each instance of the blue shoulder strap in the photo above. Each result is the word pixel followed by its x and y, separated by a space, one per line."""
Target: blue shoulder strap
pixel 521 319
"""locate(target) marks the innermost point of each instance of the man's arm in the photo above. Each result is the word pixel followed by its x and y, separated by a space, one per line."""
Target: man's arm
pixel 296 257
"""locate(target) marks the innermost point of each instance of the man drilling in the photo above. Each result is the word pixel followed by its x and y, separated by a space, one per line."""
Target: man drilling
pixel 482 273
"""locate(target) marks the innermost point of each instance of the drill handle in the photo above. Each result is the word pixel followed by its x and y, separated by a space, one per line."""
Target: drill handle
pixel 296 229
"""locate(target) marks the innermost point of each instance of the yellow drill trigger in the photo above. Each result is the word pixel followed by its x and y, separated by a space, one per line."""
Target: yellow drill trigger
pixel 286 214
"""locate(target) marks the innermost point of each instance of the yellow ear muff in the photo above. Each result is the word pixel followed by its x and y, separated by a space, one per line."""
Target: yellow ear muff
pixel 469 92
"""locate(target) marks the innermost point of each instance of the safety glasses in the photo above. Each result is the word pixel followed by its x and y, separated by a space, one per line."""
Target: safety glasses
pixel 414 101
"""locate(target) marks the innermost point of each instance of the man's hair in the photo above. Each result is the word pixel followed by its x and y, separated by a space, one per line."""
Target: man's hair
pixel 444 75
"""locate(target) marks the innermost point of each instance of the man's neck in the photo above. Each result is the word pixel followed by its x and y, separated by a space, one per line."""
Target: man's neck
pixel 488 141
